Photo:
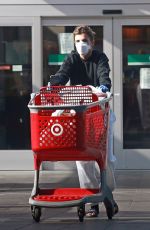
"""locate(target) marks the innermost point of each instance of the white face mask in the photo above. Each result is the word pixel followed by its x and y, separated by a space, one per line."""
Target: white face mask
pixel 82 47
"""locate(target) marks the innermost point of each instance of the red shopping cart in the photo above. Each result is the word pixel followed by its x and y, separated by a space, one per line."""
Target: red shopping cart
pixel 79 132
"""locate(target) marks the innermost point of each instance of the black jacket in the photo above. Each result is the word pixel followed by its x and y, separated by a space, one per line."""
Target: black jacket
pixel 94 71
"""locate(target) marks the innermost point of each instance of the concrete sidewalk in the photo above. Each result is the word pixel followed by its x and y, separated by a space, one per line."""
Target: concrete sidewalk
pixel 132 195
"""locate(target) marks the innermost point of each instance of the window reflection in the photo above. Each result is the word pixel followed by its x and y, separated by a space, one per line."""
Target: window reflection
pixel 15 87
pixel 136 113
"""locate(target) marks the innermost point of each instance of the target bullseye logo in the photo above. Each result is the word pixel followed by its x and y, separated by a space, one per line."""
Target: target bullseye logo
pixel 57 129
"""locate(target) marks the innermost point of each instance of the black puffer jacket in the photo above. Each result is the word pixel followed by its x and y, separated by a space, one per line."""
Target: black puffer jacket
pixel 94 71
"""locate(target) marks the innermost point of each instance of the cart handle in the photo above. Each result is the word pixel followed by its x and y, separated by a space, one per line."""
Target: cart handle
pixel 103 98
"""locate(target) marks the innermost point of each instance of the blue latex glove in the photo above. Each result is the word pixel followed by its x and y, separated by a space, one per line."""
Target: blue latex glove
pixel 103 88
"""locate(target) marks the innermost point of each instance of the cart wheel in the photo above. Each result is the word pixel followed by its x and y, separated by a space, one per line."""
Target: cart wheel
pixel 81 213
pixel 109 208
pixel 36 213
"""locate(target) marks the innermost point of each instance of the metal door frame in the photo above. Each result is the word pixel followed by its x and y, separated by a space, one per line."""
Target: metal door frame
pixel 107 49
pixel 126 158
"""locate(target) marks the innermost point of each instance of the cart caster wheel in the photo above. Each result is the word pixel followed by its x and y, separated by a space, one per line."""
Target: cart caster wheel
pixel 81 213
pixel 109 208
pixel 36 213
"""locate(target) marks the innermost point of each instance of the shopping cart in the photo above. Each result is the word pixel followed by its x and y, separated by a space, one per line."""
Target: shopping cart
pixel 79 133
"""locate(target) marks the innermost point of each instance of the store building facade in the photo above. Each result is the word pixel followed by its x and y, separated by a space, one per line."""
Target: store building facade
pixel 33 34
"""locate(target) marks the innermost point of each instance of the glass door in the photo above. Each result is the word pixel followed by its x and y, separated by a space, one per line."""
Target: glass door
pixel 58 42
pixel 132 93
pixel 19 76
pixel 15 86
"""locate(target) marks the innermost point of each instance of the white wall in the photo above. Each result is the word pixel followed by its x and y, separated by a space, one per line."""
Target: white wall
pixel 70 2
pixel 72 10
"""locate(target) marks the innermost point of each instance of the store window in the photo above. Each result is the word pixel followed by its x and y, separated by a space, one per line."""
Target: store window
pixel 136 87
pixel 57 43
pixel 15 87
